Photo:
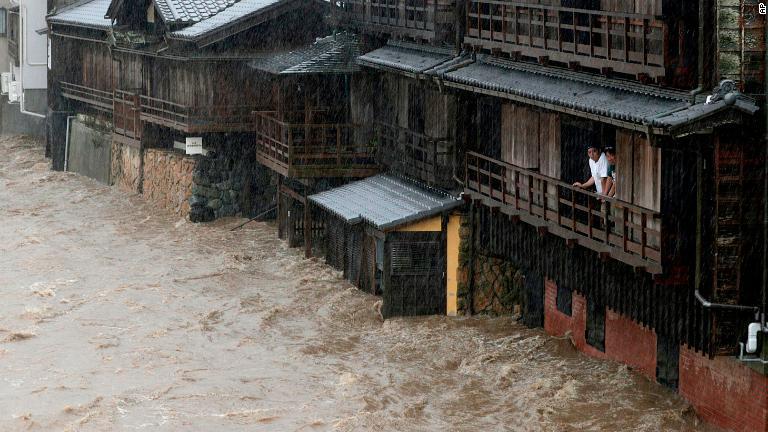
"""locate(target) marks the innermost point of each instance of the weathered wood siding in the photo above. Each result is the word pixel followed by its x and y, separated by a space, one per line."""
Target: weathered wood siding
pixel 520 136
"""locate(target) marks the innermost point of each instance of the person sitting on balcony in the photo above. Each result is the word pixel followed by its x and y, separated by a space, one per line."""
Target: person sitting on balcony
pixel 598 165
pixel 610 156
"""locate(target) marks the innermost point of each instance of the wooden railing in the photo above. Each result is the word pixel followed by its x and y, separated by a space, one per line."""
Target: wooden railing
pixel 315 149
pixel 625 231
pixel 216 118
pixel 416 155
pixel 99 99
pixel 417 18
pixel 628 43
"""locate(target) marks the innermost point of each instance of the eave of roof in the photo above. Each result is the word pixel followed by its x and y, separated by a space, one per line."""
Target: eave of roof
pixel 236 18
pixel 86 14
pixel 408 58
pixel 626 104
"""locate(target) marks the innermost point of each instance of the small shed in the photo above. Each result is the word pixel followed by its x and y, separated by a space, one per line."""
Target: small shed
pixel 390 236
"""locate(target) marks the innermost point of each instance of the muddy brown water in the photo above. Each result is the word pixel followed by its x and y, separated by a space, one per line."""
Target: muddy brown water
pixel 115 315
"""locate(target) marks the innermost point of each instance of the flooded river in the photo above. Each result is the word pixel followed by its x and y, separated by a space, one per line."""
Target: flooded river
pixel 118 316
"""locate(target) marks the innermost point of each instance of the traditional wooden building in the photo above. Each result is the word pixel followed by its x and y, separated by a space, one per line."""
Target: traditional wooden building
pixel 307 137
pixel 659 275
pixel 164 72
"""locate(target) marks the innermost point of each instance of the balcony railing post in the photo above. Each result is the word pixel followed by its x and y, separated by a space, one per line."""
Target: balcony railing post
pixel 606 217
pixel 643 235
pixel 625 228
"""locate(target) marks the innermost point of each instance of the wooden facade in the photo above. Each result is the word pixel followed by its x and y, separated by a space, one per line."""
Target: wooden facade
pixel 415 129
pixel 638 39
pixel 432 21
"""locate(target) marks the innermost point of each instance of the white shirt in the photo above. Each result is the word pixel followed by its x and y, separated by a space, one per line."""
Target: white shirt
pixel 599 171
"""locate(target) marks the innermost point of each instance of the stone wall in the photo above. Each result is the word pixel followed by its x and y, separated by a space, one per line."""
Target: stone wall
pixel 168 180
pixel 126 167
pixel 230 182
pixel 497 287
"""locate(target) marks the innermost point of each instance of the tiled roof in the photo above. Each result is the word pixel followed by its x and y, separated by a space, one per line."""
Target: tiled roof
pixel 606 101
pixel 238 11
pixel 619 100
pixel 84 14
pixel 384 201
pixel 331 54
pixel 405 57
pixel 191 11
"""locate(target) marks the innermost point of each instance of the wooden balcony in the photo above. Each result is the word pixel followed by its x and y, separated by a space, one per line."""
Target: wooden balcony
pixel 416 155
pixel 416 19
pixel 614 228
pixel 98 99
pixel 193 120
pixel 298 149
pixel 626 43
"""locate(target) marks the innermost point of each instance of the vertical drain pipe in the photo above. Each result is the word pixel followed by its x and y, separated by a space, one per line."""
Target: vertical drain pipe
pixel 66 142
pixel 699 56
pixel 764 305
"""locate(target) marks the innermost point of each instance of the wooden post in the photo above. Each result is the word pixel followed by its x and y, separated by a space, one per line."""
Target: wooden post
pixel 279 207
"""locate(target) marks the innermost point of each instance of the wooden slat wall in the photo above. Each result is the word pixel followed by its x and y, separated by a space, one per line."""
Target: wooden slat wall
pixel 520 136
pixel 649 7
pixel 438 119
pixel 402 102
pixel 624 164
pixel 638 170
pixel 647 174
pixel 549 144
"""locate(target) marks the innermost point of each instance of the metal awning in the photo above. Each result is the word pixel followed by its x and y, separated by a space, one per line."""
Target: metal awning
pixel 405 58
pixel 385 201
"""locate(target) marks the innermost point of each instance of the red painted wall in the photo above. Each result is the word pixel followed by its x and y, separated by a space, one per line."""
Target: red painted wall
pixel 724 392
pixel 625 340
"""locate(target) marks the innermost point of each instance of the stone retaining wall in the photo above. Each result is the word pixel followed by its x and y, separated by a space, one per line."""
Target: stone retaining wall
pixel 168 179
pixel 126 168
pixel 497 286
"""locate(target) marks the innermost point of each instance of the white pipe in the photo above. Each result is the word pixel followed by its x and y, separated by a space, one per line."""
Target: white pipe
pixel 66 143
pixel 752 330
pixel 23 36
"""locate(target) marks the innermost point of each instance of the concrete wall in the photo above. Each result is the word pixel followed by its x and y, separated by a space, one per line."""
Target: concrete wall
pixel 90 149
pixel 168 179
pixel 14 122
pixel 126 167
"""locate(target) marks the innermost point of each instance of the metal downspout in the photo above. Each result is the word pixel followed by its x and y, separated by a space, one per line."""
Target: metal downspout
pixel 700 56
pixel 764 306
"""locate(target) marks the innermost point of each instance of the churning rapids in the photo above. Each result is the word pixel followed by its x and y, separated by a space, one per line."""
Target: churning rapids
pixel 118 316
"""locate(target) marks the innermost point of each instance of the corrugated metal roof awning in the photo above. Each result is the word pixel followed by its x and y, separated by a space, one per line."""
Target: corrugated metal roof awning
pixel 385 201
